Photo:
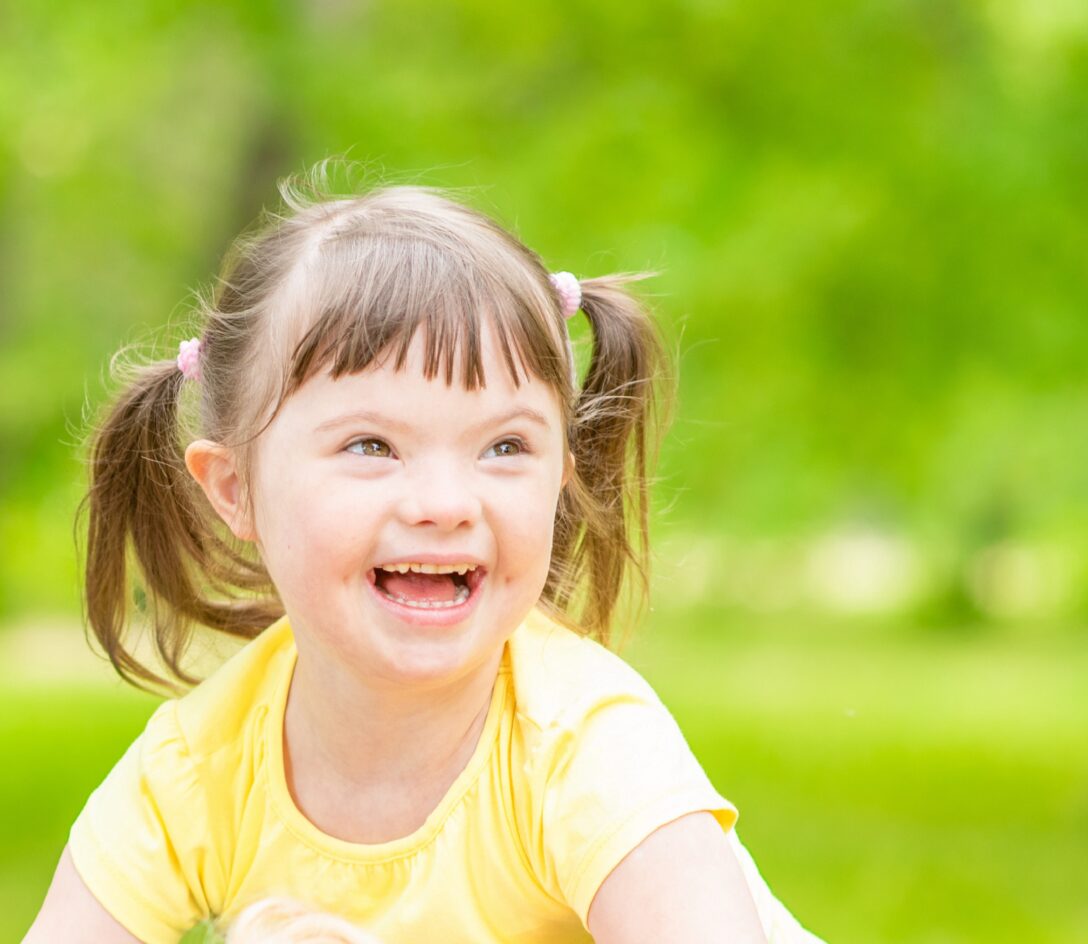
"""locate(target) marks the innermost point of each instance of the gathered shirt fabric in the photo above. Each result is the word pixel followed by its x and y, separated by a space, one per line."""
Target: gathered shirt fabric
pixel 577 763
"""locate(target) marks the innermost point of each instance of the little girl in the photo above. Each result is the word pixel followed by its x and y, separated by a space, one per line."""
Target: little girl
pixel 402 493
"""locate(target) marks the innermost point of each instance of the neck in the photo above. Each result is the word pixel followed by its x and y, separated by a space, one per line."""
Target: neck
pixel 379 739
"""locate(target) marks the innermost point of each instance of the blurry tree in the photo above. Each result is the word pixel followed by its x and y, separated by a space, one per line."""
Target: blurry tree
pixel 869 215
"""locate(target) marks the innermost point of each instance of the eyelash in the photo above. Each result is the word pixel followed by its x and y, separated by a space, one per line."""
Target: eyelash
pixel 522 446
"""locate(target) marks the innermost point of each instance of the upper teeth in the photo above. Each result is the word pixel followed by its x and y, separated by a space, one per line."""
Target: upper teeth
pixel 429 568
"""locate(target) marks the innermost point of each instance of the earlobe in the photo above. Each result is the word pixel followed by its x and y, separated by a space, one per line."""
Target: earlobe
pixel 215 469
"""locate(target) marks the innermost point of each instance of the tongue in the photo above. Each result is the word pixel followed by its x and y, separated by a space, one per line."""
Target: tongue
pixel 435 588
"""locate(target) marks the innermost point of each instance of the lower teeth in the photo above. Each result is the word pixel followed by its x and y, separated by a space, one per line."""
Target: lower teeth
pixel 461 595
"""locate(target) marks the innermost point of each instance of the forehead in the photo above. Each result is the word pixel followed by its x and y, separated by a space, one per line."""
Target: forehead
pixel 466 332
pixel 411 388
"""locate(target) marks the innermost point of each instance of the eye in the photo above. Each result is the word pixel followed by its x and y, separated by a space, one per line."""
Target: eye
pixel 507 447
pixel 376 448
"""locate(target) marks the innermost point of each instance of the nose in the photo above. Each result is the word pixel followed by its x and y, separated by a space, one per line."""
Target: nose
pixel 442 495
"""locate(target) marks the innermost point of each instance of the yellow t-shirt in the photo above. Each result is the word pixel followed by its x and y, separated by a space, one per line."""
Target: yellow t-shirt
pixel 578 762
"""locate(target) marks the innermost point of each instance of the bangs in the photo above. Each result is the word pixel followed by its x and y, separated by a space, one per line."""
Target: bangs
pixel 361 298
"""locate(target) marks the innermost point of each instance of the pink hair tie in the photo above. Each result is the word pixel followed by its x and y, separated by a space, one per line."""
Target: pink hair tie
pixel 569 290
pixel 189 358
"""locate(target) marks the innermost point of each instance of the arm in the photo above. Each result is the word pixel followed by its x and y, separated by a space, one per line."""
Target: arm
pixel 681 884
pixel 72 914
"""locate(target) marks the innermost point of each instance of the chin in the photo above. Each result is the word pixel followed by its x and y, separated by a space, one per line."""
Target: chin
pixel 427 657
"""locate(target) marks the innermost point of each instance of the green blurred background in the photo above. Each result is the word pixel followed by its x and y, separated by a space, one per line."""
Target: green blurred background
pixel 870 220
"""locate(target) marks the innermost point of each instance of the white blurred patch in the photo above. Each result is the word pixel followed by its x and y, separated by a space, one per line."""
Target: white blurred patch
pixel 863 571
pixel 1017 580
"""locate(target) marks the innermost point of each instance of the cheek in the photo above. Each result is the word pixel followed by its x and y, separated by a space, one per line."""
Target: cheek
pixel 323 532
pixel 301 529
pixel 528 522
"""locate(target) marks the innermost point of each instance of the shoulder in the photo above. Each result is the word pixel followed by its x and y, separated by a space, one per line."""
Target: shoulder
pixel 558 674
pixel 191 757
pixel 213 715
pixel 575 700
pixel 604 761
pixel 154 843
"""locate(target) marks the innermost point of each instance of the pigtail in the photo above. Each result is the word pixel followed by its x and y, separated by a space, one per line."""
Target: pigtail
pixel 143 504
pixel 601 536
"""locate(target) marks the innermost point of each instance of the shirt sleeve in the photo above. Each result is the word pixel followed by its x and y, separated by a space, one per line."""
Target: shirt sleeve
pixel 137 844
pixel 607 775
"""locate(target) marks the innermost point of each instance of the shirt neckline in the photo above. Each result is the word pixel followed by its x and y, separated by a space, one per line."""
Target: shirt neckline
pixel 297 823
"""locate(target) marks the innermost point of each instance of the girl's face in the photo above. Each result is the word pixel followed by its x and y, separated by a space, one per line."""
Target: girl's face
pixel 363 482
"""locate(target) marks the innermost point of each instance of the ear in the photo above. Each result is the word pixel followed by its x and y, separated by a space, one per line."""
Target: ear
pixel 215 468
pixel 568 469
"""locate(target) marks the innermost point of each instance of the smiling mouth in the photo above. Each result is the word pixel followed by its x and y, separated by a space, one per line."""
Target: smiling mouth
pixel 428 586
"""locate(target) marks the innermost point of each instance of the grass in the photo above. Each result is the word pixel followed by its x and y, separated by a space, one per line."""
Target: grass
pixel 900 788
pixel 60 743
pixel 893 787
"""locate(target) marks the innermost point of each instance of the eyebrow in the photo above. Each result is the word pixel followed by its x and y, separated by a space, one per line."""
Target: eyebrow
pixel 374 418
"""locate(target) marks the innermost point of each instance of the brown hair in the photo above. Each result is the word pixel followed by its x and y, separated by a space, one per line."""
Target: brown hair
pixel 331 283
